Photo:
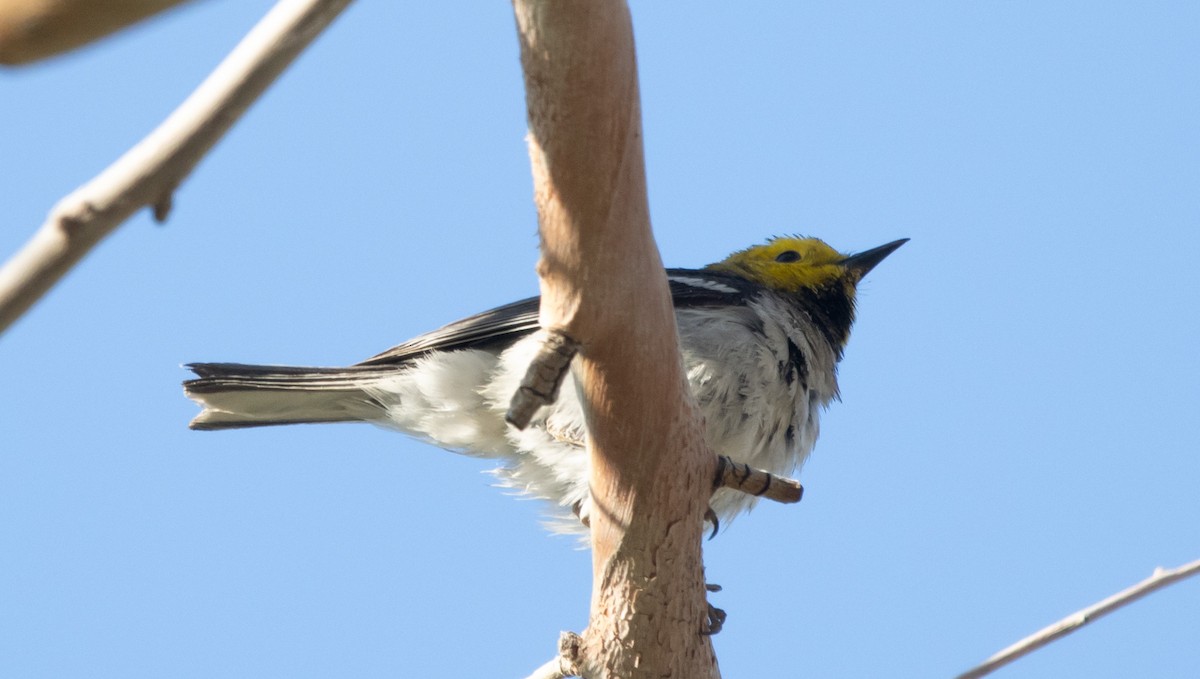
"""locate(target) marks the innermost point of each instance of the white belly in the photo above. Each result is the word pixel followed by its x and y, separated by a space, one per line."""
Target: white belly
pixel 754 413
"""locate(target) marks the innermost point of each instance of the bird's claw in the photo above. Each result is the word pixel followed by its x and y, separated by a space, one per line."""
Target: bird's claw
pixel 582 511
pixel 711 517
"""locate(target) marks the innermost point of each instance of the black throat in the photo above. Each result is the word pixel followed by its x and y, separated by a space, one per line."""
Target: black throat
pixel 831 309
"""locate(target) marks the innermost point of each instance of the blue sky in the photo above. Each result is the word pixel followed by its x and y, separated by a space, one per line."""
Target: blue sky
pixel 1017 436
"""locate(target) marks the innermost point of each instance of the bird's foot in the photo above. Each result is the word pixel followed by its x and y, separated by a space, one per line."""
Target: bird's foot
pixel 714 619
pixel 713 622
pixel 583 509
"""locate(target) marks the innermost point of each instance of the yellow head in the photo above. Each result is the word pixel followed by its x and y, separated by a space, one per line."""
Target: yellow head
pixel 793 264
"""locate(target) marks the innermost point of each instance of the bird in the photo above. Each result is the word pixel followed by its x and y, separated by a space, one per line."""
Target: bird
pixel 761 335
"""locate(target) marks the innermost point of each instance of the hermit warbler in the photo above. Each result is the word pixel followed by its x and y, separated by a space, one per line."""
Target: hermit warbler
pixel 761 334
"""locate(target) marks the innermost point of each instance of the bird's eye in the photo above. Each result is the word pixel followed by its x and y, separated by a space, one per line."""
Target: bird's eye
pixel 788 256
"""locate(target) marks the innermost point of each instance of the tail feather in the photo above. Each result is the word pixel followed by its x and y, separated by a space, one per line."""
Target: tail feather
pixel 236 395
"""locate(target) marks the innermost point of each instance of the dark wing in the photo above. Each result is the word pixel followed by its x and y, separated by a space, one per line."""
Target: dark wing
pixel 504 325
pixel 499 327
pixel 692 288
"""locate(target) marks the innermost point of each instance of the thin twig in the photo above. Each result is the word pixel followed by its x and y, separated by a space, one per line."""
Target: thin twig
pixel 1161 578
pixel 148 173
pixel 747 479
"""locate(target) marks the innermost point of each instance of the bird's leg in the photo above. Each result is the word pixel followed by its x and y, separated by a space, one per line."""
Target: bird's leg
pixel 543 378
pixel 746 479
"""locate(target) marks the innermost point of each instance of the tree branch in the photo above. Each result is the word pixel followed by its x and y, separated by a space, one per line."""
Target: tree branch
pixel 1161 578
pixel 35 29
pixel 149 173
pixel 604 286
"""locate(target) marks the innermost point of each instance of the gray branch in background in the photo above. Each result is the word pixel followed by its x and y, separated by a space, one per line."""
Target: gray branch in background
pixel 149 173
pixel 1161 578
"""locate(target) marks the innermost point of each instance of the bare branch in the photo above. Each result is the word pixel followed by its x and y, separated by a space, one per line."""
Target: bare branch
pixel 35 29
pixel 148 173
pixel 603 284
pixel 747 479
pixel 1161 578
